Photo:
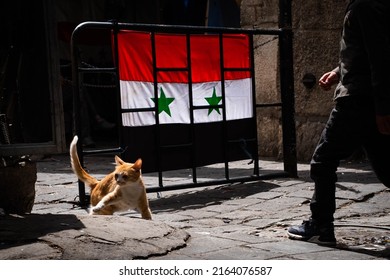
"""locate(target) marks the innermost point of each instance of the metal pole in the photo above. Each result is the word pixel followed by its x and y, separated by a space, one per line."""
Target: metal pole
pixel 191 102
pixel 76 111
pixel 287 88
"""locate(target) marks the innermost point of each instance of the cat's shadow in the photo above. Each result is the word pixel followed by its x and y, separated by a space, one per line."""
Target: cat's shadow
pixel 196 199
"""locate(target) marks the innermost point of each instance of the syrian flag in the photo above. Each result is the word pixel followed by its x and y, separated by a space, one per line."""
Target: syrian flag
pixel 187 87
pixel 181 81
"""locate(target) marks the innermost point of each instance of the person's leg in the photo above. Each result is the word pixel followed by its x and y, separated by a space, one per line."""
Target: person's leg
pixel 343 134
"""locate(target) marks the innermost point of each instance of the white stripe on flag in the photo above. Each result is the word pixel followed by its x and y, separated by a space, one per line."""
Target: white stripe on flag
pixel 176 109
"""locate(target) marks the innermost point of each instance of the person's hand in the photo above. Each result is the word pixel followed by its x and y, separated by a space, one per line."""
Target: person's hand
pixel 328 80
pixel 383 124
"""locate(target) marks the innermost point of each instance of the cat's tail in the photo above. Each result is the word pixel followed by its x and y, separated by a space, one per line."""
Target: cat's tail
pixel 76 166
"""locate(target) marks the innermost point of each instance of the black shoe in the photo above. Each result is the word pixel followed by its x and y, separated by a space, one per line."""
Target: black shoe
pixel 311 232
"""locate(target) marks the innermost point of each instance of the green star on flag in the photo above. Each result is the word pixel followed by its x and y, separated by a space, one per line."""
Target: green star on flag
pixel 213 102
pixel 163 103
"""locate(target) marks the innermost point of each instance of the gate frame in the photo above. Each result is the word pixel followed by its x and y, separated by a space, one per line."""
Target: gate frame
pixel 286 95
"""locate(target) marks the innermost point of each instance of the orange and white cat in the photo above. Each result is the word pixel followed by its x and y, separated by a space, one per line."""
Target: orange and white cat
pixel 121 190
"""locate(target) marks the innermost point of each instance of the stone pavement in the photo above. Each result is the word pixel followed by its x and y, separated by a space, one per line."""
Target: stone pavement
pixel 235 221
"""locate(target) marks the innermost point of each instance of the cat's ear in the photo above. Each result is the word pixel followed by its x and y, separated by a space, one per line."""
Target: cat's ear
pixel 118 160
pixel 138 164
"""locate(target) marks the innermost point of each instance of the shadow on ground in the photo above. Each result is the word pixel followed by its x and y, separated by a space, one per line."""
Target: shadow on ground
pixel 16 230
pixel 206 197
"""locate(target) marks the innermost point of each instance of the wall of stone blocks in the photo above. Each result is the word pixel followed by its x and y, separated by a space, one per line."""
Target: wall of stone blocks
pixel 316 26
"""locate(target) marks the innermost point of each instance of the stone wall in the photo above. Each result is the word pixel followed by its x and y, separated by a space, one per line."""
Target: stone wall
pixel 316 26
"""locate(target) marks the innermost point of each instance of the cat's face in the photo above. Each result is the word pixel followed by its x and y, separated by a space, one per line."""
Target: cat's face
pixel 126 173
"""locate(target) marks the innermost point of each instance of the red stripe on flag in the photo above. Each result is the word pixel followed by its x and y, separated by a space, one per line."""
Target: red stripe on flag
pixel 136 63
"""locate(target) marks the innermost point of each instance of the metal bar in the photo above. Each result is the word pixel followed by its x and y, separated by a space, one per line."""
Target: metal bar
pixel 285 16
pixel 174 28
pixel 287 89
pixel 76 111
pixel 133 110
pixel 202 107
pixel 195 29
pixel 118 91
pixel 224 124
pixel 194 107
pixel 97 70
pixel 156 107
pixel 255 154
pixel 190 96
pixel 104 151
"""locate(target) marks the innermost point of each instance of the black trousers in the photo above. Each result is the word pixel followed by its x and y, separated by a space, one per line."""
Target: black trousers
pixel 351 125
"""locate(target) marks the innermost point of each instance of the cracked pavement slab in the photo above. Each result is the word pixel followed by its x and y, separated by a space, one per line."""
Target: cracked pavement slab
pixel 59 236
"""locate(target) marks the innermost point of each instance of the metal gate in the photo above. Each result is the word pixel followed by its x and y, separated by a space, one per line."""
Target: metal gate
pixel 286 104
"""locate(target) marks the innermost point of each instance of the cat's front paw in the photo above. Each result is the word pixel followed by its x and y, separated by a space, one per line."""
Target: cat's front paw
pixel 95 209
